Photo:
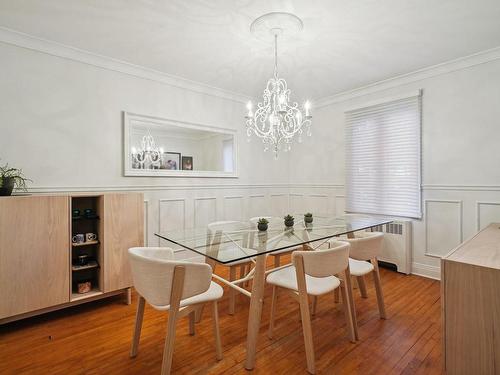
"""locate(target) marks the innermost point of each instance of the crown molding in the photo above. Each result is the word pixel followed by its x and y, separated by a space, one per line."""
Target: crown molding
pixel 19 39
pixel 418 75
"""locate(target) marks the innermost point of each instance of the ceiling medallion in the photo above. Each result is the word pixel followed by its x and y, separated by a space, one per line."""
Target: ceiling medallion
pixel 277 120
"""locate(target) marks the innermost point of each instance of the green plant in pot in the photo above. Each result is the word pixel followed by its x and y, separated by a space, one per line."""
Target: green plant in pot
pixel 10 179
pixel 289 221
pixel 308 218
pixel 262 224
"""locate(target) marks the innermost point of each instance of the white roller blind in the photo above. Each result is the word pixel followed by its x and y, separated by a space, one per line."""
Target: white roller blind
pixel 383 158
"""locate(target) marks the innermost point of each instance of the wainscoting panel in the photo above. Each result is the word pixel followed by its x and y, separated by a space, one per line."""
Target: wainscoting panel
pixel 297 203
pixel 443 226
pixel 318 204
pixel 234 208
pixel 146 222
pixel 339 205
pixel 486 213
pixel 171 216
pixel 257 206
pixel 279 204
pixel 205 211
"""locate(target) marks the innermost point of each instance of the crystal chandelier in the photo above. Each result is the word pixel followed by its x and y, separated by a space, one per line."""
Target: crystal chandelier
pixel 149 152
pixel 276 119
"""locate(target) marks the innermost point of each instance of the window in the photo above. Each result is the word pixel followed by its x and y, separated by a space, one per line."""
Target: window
pixel 383 158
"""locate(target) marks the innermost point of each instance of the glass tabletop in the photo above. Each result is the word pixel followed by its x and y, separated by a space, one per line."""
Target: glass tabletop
pixel 231 241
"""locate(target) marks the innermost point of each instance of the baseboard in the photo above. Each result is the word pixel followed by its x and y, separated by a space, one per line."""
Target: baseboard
pixel 425 270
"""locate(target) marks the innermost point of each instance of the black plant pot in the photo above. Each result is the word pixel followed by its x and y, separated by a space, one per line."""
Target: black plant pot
pixel 262 227
pixel 289 223
pixel 308 219
pixel 7 186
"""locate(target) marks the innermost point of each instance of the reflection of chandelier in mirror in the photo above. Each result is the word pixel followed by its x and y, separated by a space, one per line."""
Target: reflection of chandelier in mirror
pixel 276 120
pixel 149 152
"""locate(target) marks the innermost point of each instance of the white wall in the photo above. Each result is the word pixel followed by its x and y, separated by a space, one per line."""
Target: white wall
pixel 460 154
pixel 61 122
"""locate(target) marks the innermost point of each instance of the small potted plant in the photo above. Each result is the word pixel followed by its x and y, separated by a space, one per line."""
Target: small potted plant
pixel 308 218
pixel 262 224
pixel 11 178
pixel 289 221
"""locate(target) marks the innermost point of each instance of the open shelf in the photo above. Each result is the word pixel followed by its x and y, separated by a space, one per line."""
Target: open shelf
pixel 87 243
pixel 85 218
pixel 79 296
pixel 90 265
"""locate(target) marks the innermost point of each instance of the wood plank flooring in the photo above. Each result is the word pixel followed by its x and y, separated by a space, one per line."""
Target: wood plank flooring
pixel 95 338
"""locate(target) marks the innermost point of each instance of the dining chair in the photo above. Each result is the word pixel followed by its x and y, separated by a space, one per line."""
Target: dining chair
pixel 275 222
pixel 174 286
pixel 315 273
pixel 365 248
pixel 218 244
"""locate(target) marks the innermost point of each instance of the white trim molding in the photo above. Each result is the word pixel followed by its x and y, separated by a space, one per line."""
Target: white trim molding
pixel 19 39
pixel 418 75
pixel 425 270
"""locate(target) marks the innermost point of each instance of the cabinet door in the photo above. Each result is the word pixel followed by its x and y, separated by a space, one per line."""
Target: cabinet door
pixel 34 253
pixel 123 229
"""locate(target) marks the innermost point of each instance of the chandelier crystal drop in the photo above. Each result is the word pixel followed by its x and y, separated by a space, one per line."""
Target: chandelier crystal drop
pixel 277 120
pixel 149 153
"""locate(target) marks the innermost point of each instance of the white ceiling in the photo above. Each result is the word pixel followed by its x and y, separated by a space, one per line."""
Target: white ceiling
pixel 345 43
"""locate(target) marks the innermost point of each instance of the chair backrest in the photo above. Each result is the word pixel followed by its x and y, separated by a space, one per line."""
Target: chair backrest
pixel 365 245
pixel 153 271
pixel 325 262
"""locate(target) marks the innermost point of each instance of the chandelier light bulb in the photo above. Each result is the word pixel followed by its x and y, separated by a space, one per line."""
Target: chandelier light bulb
pixel 134 150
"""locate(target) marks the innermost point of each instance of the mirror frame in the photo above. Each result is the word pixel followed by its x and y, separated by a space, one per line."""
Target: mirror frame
pixel 128 171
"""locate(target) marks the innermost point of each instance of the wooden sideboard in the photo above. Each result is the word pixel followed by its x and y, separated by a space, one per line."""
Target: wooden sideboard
pixel 470 277
pixel 38 271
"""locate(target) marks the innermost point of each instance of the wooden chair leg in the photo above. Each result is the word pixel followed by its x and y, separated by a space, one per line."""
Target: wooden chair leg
pixel 192 318
pixel 277 260
pixel 138 325
pixel 128 296
pixel 175 299
pixel 378 289
pixel 347 312
pixel 336 295
pixel 218 345
pixel 232 292
pixel 198 314
pixel 314 305
pixel 270 332
pixel 362 286
pixel 305 315
pixel 350 296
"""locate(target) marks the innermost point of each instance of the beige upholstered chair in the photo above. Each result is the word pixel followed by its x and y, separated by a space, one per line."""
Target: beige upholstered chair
pixel 220 245
pixel 366 246
pixel 315 273
pixel 275 222
pixel 179 287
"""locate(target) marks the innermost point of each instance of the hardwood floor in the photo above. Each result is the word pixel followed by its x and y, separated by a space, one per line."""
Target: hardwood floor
pixel 95 338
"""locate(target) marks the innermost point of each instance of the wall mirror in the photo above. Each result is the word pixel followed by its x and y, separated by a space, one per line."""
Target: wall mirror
pixel 160 147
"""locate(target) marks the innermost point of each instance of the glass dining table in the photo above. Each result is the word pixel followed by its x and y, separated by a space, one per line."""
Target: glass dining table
pixel 240 241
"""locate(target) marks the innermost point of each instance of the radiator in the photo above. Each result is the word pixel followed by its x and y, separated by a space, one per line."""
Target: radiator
pixel 397 244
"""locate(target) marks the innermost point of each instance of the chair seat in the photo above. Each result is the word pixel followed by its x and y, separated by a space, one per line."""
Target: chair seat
pixel 287 278
pixel 359 267
pixel 213 293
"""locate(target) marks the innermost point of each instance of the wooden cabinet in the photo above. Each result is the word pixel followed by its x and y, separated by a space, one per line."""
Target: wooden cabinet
pixel 38 261
pixel 471 305
pixel 34 253
pixel 123 229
